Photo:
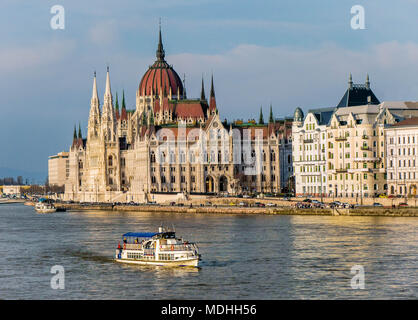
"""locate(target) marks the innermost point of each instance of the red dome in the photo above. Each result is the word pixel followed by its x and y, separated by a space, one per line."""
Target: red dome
pixel 160 76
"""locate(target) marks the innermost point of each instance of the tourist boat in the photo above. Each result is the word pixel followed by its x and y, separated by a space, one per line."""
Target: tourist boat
pixel 44 207
pixel 161 249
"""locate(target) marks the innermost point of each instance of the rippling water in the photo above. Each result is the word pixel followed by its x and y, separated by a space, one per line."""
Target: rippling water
pixel 244 257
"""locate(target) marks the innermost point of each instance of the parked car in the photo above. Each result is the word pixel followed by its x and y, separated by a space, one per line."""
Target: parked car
pixel 403 204
pixel 376 204
pixel 259 204
pixel 270 204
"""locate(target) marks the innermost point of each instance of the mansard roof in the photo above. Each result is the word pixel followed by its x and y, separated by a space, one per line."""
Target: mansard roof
pixel 322 115
pixel 357 95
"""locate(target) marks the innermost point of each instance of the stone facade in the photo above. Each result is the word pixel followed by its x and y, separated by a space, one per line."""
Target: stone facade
pixel 173 145
pixel 402 162
pixel 341 151
pixel 58 169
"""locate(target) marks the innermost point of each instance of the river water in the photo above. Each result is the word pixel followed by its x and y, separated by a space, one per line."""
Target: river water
pixel 244 256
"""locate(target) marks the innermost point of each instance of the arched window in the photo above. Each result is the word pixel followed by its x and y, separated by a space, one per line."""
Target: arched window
pixel 110 161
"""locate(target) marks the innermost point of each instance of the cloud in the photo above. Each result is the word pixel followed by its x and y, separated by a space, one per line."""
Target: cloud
pixel 104 33
pixel 250 75
pixel 25 58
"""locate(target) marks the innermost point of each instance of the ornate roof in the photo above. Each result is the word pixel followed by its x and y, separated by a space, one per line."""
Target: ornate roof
pixel 358 95
pixel 160 77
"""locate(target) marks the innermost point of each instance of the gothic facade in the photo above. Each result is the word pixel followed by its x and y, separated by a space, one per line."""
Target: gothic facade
pixel 173 145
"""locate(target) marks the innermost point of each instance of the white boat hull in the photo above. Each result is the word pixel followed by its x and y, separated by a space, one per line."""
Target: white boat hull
pixel 179 263
pixel 45 210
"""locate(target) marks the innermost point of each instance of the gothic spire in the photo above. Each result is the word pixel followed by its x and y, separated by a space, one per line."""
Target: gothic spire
pixel 350 81
pixel 75 133
pixel 367 82
pixel 80 136
pixel 117 103
pixel 123 100
pixel 94 94
pixel 212 89
pixel 202 92
pixel 160 50
pixel 271 118
pixel 108 90
pixel 261 118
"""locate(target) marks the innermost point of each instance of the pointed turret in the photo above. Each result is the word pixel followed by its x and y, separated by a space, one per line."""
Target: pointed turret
pixel 261 118
pixel 80 136
pixel 74 144
pixel 202 92
pixel 367 82
pixel 271 118
pixel 94 116
pixel 350 81
pixel 212 88
pixel 184 86
pixel 94 103
pixel 94 95
pixel 117 107
pixel 212 102
pixel 108 114
pixel 124 115
pixel 108 90
pixel 160 49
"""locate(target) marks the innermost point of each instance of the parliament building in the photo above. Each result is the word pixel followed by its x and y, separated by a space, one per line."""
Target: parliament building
pixel 170 145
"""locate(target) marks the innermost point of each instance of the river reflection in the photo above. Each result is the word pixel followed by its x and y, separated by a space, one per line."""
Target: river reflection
pixel 244 257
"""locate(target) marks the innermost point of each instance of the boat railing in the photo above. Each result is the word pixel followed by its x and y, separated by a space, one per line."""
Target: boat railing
pixel 149 252
pixel 132 246
pixel 178 247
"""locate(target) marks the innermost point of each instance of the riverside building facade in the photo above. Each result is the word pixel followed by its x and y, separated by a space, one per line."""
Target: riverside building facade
pixel 402 157
pixel 59 168
pixel 354 162
pixel 170 144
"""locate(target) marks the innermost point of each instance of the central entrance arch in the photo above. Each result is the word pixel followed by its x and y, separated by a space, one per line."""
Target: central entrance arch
pixel 223 184
pixel 209 185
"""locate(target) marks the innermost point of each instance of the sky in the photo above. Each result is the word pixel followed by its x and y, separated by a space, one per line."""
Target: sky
pixel 287 53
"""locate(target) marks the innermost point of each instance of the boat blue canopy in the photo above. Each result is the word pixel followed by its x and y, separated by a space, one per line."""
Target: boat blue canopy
pixel 140 234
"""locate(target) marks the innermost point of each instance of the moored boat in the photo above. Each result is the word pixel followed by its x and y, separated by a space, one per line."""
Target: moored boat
pixel 44 207
pixel 161 248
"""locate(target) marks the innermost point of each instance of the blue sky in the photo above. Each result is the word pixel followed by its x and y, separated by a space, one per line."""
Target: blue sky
pixel 288 53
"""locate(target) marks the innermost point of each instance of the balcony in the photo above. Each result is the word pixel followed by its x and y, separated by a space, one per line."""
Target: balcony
pixel 368 159
pixel 340 138
pixel 341 170
pixel 308 141
pixel 366 148
pixel 364 136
